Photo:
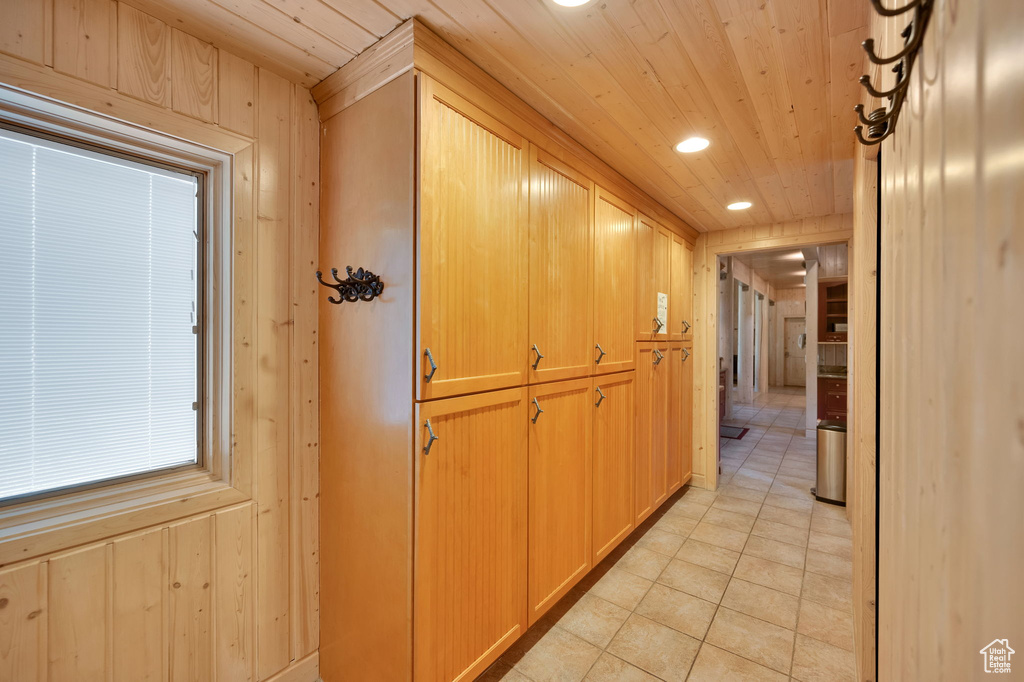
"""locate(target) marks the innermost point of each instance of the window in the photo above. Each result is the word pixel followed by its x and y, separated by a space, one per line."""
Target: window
pixel 101 293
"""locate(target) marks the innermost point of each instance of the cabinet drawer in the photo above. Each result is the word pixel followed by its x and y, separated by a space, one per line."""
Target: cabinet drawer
pixel 835 401
pixel 835 386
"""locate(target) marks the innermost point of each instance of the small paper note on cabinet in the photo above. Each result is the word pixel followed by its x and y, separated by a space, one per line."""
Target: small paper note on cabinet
pixel 663 309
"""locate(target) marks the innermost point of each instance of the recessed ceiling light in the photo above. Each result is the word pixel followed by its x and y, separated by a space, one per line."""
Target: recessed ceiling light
pixel 571 3
pixel 739 206
pixel 693 144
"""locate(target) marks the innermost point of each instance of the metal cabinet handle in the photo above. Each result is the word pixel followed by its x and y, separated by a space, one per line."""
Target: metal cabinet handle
pixel 539 356
pixel 430 441
pixel 601 399
pixel 599 357
pixel 658 325
pixel 686 326
pixel 686 354
pixel 658 357
pixel 539 411
pixel 433 366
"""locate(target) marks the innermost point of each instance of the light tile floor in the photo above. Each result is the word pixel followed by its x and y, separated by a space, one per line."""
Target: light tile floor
pixel 752 582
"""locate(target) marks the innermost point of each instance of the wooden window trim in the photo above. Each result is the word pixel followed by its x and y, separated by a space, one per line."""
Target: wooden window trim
pixel 47 523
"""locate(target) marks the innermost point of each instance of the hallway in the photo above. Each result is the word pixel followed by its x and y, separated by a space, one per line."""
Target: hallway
pixel 750 583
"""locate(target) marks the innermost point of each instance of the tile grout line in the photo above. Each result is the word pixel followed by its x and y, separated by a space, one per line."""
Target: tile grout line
pixel 796 459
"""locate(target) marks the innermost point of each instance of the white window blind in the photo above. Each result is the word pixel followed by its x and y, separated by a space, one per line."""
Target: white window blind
pixel 99 362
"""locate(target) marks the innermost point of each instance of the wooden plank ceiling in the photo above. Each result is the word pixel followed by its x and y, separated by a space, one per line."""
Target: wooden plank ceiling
pixel 771 83
pixel 781 268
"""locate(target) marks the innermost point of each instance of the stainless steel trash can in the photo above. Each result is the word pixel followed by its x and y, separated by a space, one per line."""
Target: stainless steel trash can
pixel 831 483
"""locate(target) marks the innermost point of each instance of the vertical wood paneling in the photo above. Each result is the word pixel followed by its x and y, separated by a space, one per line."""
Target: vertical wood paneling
pixel 272 348
pixel 614 423
pixel 189 603
pixel 303 401
pixel 85 40
pixel 473 247
pixel 864 392
pixel 614 282
pixel 23 31
pixel 120 615
pixel 78 644
pixel 245 316
pixel 140 579
pixel 233 593
pixel 560 488
pixel 23 618
pixel 470 588
pixel 561 231
pixel 193 76
pixel 951 455
pixel 144 56
pixel 236 86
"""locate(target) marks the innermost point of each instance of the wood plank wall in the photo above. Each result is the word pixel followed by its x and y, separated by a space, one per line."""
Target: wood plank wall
pixel 951 452
pixel 862 396
pixel 825 229
pixel 233 594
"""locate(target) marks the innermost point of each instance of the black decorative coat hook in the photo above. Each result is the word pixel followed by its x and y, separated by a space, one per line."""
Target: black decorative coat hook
pixel 361 285
pixel 881 122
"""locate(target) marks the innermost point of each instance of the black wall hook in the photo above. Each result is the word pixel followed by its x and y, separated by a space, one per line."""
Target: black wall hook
pixel 881 122
pixel 361 285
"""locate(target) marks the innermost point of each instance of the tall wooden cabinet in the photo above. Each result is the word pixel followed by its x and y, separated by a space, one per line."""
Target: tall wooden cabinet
pixel 614 283
pixel 680 312
pixel 560 485
pixel 473 248
pixel 653 287
pixel 612 461
pixel 485 440
pixel 651 452
pixel 561 259
pixel 680 416
pixel 470 528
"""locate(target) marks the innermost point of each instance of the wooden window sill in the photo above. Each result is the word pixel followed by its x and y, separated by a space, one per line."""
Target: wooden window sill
pixel 42 526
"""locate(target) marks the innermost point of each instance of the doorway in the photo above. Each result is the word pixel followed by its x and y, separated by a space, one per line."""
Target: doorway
pixel 794 359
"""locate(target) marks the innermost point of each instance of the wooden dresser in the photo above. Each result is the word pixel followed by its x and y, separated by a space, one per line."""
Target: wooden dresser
pixel 518 397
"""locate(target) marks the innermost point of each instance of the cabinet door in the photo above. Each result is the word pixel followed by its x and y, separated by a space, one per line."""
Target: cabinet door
pixel 650 475
pixel 472 295
pixel 680 318
pixel 653 265
pixel 680 418
pixel 614 283
pixel 561 267
pixel 469 593
pixel 560 490
pixel 613 461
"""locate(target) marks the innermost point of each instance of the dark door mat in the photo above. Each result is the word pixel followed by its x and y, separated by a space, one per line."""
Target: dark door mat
pixel 733 432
